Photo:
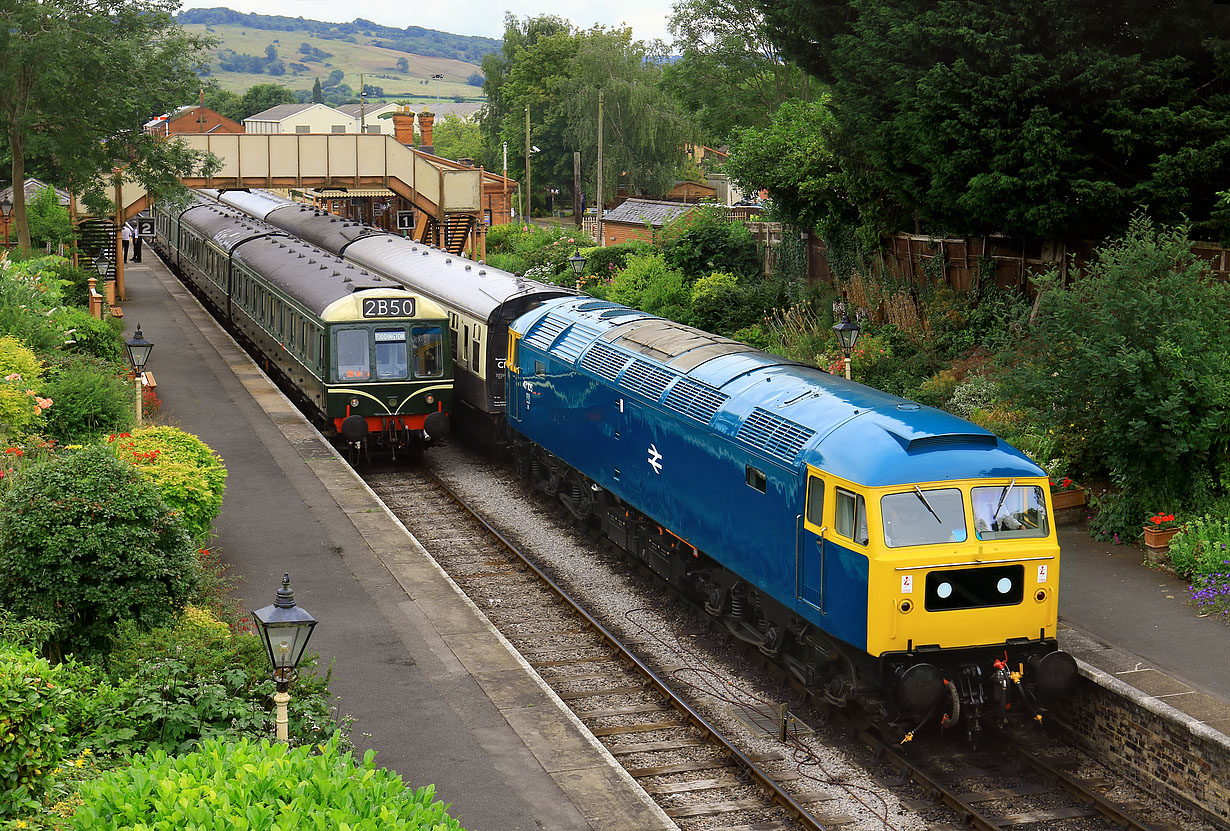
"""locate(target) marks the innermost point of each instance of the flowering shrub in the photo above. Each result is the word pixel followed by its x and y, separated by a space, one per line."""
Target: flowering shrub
pixel 20 378
pixel 189 474
pixel 87 542
pixel 91 399
pixel 1211 592
pixel 32 737
pixel 1200 548
pixel 265 786
pixel 1064 484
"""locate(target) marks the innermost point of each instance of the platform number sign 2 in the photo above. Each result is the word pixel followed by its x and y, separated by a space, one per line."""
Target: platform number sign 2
pixel 145 227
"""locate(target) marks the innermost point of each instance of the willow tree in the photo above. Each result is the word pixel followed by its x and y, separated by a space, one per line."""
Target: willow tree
pixel 558 73
pixel 79 78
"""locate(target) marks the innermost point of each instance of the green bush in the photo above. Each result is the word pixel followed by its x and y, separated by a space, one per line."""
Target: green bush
pixel 603 263
pixel 260 787
pixel 649 284
pixel 703 241
pixel 20 379
pixel 1134 359
pixel 26 632
pixel 32 737
pixel 76 285
pixel 91 399
pixel 189 474
pixel 85 334
pixel 87 541
pixel 29 290
pixel 1200 549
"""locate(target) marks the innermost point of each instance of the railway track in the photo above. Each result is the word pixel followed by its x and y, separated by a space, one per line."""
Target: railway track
pixel 703 780
pixel 686 764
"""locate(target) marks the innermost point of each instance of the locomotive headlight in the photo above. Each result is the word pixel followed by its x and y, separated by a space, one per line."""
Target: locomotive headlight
pixel 1040 595
pixel 905 606
pixel 431 399
pixel 354 402
pixel 944 590
pixel 1004 585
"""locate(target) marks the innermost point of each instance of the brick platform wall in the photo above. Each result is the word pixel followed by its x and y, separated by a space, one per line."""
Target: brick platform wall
pixel 1169 754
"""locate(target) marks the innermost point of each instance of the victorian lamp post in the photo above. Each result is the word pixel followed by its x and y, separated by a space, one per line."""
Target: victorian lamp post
pixel 577 261
pixel 138 354
pixel 284 629
pixel 847 333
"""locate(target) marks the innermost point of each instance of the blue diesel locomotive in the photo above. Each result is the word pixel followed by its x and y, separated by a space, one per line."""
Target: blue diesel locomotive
pixel 889 554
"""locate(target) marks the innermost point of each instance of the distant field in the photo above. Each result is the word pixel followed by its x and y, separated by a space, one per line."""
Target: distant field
pixel 378 65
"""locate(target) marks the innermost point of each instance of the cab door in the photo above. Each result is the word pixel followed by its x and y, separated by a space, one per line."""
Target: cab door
pixel 812 572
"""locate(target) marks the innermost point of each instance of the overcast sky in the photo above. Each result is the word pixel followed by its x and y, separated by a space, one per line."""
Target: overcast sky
pixel 465 17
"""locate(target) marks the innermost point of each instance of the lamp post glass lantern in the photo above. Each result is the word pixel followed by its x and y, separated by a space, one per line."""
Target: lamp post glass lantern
pixel 847 333
pixel 577 261
pixel 6 208
pixel 284 629
pixel 138 351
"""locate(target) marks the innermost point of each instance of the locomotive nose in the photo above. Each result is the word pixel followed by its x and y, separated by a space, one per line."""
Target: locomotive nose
pixel 920 688
pixel 1053 674
pixel 436 425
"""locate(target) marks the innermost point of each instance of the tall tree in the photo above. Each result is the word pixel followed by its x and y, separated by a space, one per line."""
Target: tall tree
pixel 261 97
pixel 558 72
pixel 729 73
pixel 318 95
pixel 79 78
pixel 1039 118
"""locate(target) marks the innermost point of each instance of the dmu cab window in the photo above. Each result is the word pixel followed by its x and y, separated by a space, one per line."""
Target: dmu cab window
pixel 353 360
pixel 391 358
pixel 428 351
pixel 815 501
pixel 923 517
pixel 1009 512
pixel 851 519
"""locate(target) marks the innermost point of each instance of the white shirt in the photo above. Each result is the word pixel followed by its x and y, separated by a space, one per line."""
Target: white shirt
pixel 126 233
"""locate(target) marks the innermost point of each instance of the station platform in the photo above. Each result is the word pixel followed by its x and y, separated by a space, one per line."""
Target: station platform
pixel 441 696
pixel 1138 624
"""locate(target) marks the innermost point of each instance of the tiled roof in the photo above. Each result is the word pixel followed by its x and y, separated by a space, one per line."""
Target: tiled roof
pixel 32 187
pixel 642 211
pixel 280 112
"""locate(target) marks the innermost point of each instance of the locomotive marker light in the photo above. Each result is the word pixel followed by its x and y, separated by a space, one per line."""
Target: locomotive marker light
pixel 138 354
pixel 284 629
pixel 847 333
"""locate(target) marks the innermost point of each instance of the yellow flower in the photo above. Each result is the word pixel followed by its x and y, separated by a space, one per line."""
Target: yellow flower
pixel 79 762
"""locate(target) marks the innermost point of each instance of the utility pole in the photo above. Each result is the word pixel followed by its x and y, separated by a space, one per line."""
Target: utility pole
pixel 362 105
pixel 504 183
pixel 576 187
pixel 437 78
pixel 527 167
pixel 598 201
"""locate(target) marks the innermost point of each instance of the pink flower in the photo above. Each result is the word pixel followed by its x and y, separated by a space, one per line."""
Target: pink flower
pixel 13 376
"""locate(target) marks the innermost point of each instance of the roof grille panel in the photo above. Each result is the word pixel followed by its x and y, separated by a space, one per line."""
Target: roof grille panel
pixel 545 331
pixel 695 400
pixel 604 361
pixel 647 379
pixel 574 342
pixel 774 435
pixel 950 439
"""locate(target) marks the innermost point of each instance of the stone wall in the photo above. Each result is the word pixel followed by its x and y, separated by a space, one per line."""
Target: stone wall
pixel 1168 753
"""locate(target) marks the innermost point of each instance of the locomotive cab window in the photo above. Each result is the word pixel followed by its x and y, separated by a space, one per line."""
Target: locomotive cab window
pixel 1009 512
pixel 815 501
pixel 923 517
pixel 756 479
pixel 392 360
pixel 428 351
pixel 353 361
pixel 851 520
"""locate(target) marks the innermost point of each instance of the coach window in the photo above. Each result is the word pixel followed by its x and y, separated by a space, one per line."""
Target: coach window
pixel 428 342
pixel 391 358
pixel 851 519
pixel 466 336
pixel 353 361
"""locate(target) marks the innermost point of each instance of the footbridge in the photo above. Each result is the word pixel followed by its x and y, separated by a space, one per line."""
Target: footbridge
pixel 447 197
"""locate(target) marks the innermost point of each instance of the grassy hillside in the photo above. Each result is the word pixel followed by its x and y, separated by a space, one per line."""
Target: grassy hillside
pixel 378 64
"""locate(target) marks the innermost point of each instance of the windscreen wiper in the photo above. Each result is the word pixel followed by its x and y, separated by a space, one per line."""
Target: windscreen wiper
pixel 1002 497
pixel 918 492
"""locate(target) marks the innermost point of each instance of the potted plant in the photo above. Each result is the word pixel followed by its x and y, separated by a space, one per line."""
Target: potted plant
pixel 1066 494
pixel 1159 528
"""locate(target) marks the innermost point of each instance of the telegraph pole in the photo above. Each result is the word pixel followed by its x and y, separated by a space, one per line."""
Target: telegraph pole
pixel 576 187
pixel 598 201
pixel 362 105
pixel 527 167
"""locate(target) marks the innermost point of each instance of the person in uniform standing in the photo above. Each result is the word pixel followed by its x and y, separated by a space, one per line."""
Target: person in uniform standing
pixel 136 246
pixel 125 238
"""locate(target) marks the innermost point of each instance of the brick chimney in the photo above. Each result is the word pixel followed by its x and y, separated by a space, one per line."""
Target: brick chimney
pixel 403 126
pixel 426 119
